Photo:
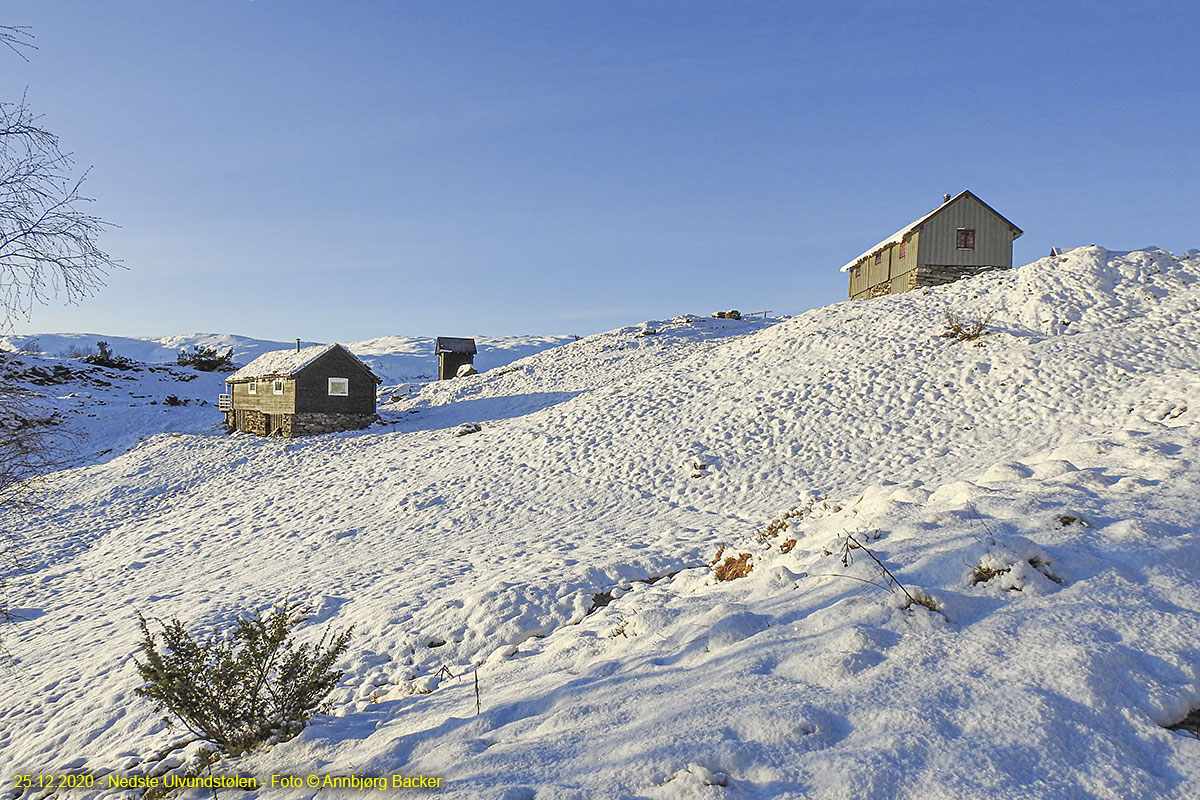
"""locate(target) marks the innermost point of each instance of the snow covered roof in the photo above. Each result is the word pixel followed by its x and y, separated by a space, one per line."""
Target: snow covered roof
pixel 285 363
pixel 899 235
pixel 454 344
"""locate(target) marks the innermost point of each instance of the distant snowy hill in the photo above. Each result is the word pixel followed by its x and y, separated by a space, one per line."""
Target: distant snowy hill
pixel 114 409
pixel 396 359
pixel 1032 490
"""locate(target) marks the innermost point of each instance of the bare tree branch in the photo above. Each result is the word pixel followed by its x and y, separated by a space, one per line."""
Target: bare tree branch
pixel 48 245
pixel 17 36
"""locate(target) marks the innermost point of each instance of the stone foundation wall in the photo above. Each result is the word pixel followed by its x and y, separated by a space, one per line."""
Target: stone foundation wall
pixel 287 426
pixel 311 423
pixel 933 275
pixel 920 278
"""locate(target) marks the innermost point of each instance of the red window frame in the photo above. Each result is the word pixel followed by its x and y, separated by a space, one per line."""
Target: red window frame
pixel 965 239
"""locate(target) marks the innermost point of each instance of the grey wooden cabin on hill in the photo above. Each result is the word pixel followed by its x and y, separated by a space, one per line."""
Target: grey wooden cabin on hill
pixel 298 392
pixel 961 237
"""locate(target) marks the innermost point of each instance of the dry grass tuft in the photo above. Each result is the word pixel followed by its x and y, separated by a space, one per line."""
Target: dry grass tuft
pixel 983 574
pixel 920 597
pixel 780 524
pixel 733 568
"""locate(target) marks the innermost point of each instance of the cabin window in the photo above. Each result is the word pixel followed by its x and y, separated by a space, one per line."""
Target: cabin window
pixel 252 387
pixel 339 387
pixel 903 248
pixel 966 239
pixel 858 272
pixel 879 257
pixel 277 386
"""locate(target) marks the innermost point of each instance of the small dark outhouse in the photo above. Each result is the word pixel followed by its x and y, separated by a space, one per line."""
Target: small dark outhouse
pixel 298 392
pixel 453 353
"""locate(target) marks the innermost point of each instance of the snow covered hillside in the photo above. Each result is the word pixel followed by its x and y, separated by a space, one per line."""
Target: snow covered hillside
pixel 110 410
pixel 395 359
pixel 1032 490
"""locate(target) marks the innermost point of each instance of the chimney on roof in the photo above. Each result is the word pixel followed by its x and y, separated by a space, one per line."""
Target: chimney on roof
pixel 945 198
pixel 298 341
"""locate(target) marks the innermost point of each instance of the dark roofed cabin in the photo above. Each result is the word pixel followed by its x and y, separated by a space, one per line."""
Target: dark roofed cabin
pixel 453 353
pixel 300 392
pixel 963 236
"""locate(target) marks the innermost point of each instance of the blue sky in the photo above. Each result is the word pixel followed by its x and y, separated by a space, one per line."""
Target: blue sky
pixel 343 170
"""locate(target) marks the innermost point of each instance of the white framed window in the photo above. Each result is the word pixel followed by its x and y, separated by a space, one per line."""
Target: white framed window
pixel 277 386
pixel 339 387
pixel 252 387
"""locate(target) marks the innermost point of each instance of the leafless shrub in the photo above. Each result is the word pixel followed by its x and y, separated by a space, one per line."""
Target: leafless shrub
pixel 29 348
pixel 965 329
pixel 31 445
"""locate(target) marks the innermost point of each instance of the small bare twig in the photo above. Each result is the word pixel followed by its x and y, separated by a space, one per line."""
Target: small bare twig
pixel 16 36
pixel 892 582
pixel 478 704
pixel 979 517
pixel 867 581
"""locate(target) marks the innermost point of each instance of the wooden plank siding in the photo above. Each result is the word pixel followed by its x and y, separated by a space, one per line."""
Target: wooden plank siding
pixel 869 279
pixel 858 281
pixel 993 237
pixel 899 282
pixel 449 364
pixel 313 385
pixel 266 400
